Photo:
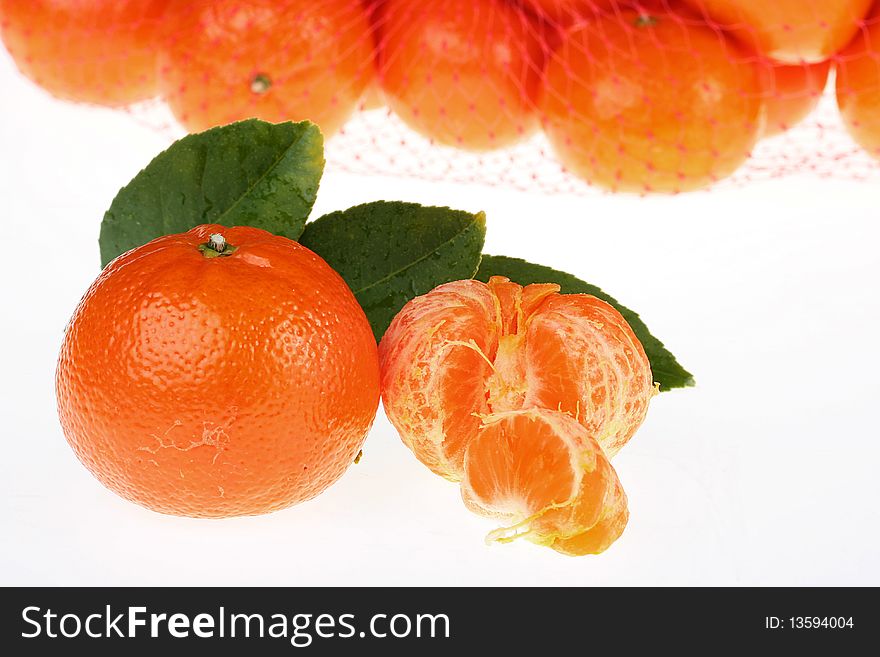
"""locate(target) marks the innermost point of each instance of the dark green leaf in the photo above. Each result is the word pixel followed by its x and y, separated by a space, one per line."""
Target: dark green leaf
pixel 667 372
pixel 250 173
pixel 390 252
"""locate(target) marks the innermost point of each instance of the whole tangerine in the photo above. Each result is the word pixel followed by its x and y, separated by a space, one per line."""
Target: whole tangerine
pixel 461 73
pixel 217 372
pixel 91 51
pixel 657 102
pixel 277 60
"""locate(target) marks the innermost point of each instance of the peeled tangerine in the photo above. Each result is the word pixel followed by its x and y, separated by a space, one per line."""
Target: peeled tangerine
pixel 523 395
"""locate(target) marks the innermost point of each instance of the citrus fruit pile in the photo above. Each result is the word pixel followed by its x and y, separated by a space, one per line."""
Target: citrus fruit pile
pixel 633 95
pixel 523 395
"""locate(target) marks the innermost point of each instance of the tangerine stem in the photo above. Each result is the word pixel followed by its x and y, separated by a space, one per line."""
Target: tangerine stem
pixel 261 83
pixel 217 246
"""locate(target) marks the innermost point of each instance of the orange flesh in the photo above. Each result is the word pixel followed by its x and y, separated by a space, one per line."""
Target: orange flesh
pixel 608 529
pixel 540 472
pixel 437 365
pixel 521 394
pixel 518 465
pixel 469 349
pixel 462 381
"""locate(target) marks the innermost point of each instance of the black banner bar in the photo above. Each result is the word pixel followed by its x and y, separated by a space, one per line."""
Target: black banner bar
pixel 278 621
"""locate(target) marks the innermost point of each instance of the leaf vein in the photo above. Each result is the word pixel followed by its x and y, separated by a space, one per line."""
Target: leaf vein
pixel 260 179
pixel 413 263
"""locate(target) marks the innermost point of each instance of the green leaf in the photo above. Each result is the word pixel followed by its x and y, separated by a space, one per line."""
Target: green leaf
pixel 666 369
pixel 390 252
pixel 250 173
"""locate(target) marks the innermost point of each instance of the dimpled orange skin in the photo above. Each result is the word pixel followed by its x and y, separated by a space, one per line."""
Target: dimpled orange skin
pixel 212 387
pixel 789 31
pixel 658 103
pixel 468 349
pixel 459 72
pixel 277 60
pixel 858 86
pixel 92 51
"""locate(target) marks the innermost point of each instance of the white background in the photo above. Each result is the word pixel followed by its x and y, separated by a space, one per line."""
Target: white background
pixel 766 473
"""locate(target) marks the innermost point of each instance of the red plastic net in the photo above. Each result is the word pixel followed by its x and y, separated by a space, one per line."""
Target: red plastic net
pixel 552 95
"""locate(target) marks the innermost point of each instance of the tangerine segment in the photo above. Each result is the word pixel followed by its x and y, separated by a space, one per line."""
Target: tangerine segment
pixel 468 349
pixel 612 521
pixel 793 92
pixel 462 73
pixel 858 86
pixel 585 360
pixel 651 103
pixel 218 386
pixel 789 31
pixel 101 51
pixel 277 60
pixel 435 359
pixel 542 473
